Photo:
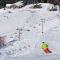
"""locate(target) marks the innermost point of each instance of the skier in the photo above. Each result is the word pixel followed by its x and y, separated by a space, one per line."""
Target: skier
pixel 45 48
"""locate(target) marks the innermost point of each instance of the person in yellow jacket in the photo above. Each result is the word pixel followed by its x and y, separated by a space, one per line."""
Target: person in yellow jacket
pixel 45 48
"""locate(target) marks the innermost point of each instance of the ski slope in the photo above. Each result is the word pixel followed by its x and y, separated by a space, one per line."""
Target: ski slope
pixel 30 21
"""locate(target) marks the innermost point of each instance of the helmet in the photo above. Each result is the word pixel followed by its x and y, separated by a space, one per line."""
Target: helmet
pixel 43 42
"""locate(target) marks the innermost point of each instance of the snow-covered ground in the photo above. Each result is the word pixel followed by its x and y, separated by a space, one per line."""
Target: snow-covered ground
pixel 28 22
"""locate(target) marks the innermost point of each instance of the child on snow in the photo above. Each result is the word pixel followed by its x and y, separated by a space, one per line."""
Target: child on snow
pixel 45 48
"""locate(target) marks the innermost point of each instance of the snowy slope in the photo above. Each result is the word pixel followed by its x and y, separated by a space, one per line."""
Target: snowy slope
pixel 30 21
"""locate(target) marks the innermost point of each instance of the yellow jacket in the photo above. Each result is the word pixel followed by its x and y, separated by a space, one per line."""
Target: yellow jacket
pixel 44 45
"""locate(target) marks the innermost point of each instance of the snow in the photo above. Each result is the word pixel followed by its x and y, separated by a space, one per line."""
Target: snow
pixel 29 21
pixel 8 5
pixel 19 3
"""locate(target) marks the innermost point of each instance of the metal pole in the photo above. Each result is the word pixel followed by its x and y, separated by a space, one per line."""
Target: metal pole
pixel 19 34
pixel 42 26
pixel 43 34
